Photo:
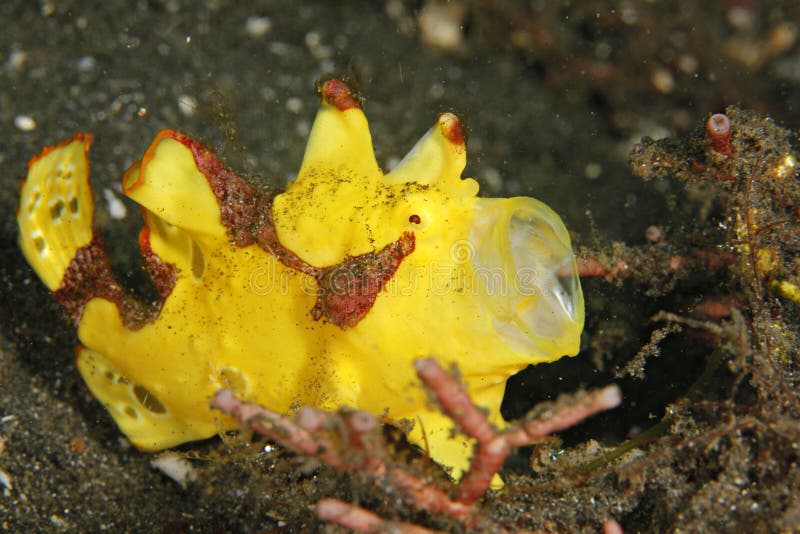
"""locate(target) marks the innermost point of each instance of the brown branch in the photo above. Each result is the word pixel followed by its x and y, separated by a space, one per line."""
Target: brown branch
pixel 572 410
pixel 360 520
pixel 454 400
pixel 267 423
pixel 351 441
pixel 358 447
pixel 640 263
pixel 493 448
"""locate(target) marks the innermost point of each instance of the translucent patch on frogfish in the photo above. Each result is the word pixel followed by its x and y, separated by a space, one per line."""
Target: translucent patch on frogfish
pixel 540 306
pixel 321 295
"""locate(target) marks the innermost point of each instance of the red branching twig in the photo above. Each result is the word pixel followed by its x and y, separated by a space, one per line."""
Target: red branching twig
pixel 633 263
pixel 612 527
pixel 360 520
pixel 359 447
pixel 564 417
pixel 351 441
pixel 267 423
pixel 454 400
pixel 492 447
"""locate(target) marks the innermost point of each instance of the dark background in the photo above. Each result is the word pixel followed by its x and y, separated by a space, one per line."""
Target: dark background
pixel 553 96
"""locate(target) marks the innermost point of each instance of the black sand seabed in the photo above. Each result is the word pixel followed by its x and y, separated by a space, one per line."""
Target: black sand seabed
pixel 553 98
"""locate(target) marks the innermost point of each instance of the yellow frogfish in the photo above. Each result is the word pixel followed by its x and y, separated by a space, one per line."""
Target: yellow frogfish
pixel 321 295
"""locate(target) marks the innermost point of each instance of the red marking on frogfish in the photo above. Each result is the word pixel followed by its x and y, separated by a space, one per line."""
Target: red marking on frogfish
pixel 85 137
pixel 451 128
pixel 149 154
pixel 245 210
pixel 89 276
pixel 348 290
pixel 163 274
pixel 339 95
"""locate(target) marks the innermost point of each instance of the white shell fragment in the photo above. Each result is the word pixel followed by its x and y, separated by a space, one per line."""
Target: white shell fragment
pixel 26 123
pixel 116 208
pixel 5 480
pixel 175 467
pixel 257 26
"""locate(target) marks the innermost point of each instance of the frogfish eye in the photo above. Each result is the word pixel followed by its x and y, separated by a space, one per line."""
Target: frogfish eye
pixel 524 268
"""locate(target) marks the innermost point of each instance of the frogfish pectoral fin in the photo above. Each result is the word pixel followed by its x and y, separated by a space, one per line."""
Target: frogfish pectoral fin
pixel 140 415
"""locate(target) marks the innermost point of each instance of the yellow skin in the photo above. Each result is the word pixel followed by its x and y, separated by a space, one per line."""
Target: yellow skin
pixel 490 285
